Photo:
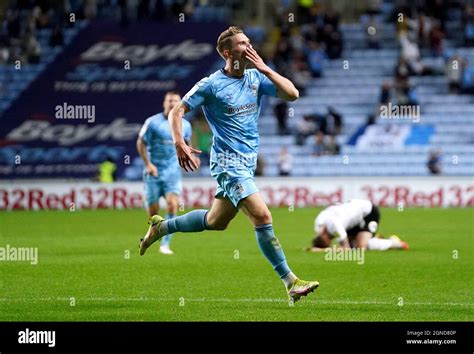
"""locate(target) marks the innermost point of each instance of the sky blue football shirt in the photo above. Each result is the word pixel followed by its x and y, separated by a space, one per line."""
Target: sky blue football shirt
pixel 232 107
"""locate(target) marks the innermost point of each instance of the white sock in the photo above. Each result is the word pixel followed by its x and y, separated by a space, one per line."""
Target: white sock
pixel 380 244
pixel 289 279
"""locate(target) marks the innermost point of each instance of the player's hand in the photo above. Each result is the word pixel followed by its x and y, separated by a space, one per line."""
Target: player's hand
pixel 152 170
pixel 186 159
pixel 344 244
pixel 252 56
pixel 314 249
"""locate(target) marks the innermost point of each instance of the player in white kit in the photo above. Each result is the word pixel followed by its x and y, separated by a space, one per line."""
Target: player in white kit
pixel 355 224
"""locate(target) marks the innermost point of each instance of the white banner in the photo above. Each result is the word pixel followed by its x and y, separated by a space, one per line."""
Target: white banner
pixel 277 192
pixel 383 136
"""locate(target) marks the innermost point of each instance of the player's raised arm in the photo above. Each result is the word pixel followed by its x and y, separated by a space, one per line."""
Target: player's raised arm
pixel 285 88
pixel 186 158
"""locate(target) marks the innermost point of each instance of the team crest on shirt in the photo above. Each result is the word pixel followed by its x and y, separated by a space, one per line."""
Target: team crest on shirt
pixel 239 189
pixel 253 88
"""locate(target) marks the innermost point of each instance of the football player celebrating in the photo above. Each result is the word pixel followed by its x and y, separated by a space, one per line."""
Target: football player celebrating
pixel 231 100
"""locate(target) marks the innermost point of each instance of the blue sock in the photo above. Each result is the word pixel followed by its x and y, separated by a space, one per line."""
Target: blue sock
pixel 194 221
pixel 271 249
pixel 165 241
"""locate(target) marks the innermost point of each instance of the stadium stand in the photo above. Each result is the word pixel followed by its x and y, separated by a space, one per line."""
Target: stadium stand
pixel 351 83
pixel 355 92
pixel 14 81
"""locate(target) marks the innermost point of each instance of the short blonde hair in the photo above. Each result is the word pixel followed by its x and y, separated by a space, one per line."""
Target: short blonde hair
pixel 223 42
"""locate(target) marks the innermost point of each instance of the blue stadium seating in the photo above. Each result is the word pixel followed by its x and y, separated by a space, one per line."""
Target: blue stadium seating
pixel 14 82
pixel 355 93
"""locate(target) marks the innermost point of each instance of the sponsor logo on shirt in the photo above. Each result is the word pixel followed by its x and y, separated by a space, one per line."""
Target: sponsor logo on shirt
pixel 244 109
pixel 239 189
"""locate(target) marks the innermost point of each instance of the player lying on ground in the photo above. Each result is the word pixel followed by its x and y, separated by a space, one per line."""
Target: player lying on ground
pixel 355 224
pixel 231 101
pixel 162 174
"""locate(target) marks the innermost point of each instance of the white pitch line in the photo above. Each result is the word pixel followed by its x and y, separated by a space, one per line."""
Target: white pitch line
pixel 146 299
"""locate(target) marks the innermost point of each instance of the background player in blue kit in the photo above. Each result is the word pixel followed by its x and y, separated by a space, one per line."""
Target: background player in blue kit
pixel 231 101
pixel 162 174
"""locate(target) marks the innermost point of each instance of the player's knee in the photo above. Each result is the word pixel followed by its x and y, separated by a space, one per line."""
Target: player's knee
pixel 219 226
pixel 218 223
pixel 262 217
pixel 172 206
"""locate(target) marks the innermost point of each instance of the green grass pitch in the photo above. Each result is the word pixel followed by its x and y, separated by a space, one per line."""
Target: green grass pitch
pixel 222 276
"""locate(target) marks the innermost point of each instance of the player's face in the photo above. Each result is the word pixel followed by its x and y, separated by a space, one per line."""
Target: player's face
pixel 170 101
pixel 240 43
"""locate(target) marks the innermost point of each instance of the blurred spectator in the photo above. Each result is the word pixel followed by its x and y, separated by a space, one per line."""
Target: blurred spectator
pixel 325 144
pixel 333 40
pixel 281 114
pixel 331 146
pixel 300 73
pixel 423 25
pixel 57 37
pixel 332 18
pixel 296 39
pixel 373 31
pixel 437 40
pixel 434 162
pixel 411 54
pixel 302 48
pixel 332 122
pixel 405 93
pixel 282 54
pixel 13 25
pixel 32 48
pixel 385 93
pixel 439 11
pixel 303 11
pixel 107 171
pixel 319 148
pixel 316 58
pixel 4 55
pixel 285 162
pixel 33 20
pixel 305 128
pixel 402 68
